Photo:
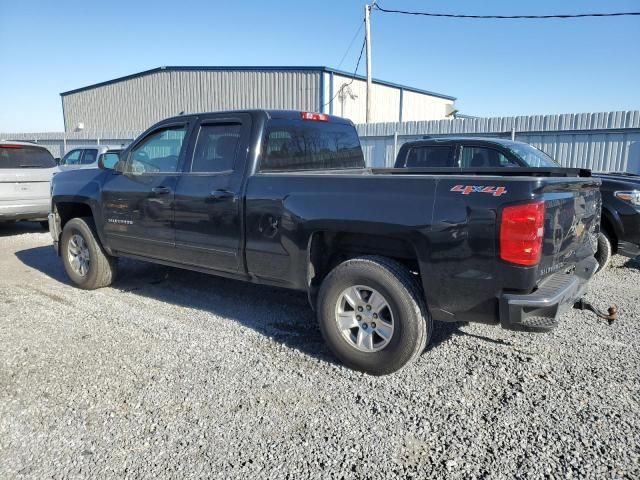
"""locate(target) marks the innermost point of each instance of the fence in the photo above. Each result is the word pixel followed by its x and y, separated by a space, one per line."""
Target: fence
pixel 600 141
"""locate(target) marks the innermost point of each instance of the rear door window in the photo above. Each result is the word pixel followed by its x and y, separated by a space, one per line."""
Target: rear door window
pixel 216 148
pixel 24 156
pixel 433 156
pixel 483 157
pixel 89 156
pixel 308 145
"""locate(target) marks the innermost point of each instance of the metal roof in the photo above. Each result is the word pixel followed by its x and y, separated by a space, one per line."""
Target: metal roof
pixel 254 69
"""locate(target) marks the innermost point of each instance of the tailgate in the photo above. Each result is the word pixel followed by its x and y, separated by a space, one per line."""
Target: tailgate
pixel 25 172
pixel 25 183
pixel 571 222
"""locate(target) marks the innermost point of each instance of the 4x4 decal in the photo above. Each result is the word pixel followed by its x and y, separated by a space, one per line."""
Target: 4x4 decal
pixel 468 189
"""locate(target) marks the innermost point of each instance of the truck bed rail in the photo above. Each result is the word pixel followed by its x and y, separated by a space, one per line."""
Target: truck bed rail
pixel 489 171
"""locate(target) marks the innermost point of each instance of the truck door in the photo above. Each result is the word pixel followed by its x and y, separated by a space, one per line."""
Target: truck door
pixel 208 213
pixel 138 200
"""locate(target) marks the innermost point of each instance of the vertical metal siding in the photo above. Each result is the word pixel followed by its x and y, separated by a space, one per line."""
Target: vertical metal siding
pixel 416 106
pixel 603 141
pixel 136 103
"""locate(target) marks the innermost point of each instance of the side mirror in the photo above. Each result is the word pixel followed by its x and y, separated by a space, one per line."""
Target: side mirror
pixel 109 161
pixel 57 160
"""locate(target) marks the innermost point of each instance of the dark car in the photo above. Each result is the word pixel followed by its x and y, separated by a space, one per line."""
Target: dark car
pixel 620 227
pixel 284 198
pixel 620 223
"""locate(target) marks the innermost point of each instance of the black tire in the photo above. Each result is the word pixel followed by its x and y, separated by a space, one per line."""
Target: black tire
pixel 412 324
pixel 604 251
pixel 102 267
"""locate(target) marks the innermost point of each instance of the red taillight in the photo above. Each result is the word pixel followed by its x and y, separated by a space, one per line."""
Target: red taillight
pixel 10 145
pixel 315 117
pixel 521 231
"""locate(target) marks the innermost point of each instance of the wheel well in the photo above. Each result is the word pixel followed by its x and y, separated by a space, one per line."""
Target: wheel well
pixel 67 211
pixel 606 226
pixel 328 249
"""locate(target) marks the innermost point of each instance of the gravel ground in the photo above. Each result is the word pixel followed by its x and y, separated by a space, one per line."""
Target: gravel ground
pixel 174 374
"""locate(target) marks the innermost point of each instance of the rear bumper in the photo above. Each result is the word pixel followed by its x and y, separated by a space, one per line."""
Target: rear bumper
pixel 539 311
pixel 24 210
pixel 629 249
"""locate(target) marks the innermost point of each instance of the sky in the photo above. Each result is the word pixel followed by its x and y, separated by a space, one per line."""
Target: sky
pixel 493 67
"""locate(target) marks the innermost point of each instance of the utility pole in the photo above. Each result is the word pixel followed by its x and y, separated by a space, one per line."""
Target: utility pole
pixel 367 33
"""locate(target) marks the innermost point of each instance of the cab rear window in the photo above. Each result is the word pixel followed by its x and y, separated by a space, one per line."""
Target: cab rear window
pixel 306 145
pixel 24 156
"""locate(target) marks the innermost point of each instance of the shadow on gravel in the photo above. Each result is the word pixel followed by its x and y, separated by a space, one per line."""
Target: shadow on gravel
pixel 45 260
pixel 8 229
pixel 283 315
pixel 445 330
pixel 632 263
pixel 280 314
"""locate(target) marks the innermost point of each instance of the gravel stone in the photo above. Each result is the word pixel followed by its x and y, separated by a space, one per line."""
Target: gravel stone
pixel 175 374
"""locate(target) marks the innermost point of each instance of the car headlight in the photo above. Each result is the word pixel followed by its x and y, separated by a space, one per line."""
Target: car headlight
pixel 629 196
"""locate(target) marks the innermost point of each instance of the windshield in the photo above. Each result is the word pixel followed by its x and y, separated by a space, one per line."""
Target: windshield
pixel 532 156
pixel 24 156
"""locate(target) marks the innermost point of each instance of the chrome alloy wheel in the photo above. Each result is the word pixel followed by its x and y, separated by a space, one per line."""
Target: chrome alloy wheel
pixel 364 318
pixel 78 255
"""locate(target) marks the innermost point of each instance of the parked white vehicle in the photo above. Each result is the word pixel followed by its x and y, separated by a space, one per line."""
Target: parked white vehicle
pixel 88 156
pixel 26 170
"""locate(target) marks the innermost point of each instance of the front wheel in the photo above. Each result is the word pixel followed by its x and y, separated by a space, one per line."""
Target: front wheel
pixel 84 259
pixel 372 315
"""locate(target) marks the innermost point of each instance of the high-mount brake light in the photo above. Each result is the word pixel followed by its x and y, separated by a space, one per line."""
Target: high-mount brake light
pixel 521 232
pixel 314 116
pixel 10 145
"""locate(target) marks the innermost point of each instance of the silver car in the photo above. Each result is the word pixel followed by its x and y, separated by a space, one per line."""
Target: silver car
pixel 88 156
pixel 25 181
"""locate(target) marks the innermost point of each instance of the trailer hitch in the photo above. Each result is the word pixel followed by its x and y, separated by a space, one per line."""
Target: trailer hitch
pixel 612 315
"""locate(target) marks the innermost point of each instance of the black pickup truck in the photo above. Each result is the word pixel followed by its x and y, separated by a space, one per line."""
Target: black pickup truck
pixel 284 198
pixel 620 219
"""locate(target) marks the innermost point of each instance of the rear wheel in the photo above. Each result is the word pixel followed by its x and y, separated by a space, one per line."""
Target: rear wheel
pixel 604 251
pixel 372 315
pixel 84 259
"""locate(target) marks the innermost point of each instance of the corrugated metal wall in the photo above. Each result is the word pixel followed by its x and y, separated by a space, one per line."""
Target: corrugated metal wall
pixel 385 106
pixel 608 141
pixel 137 103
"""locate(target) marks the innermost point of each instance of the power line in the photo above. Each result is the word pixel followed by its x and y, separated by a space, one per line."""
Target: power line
pixel 344 85
pixel 508 17
pixel 350 45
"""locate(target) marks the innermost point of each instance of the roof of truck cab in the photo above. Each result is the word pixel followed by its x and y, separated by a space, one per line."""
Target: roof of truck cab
pixel 270 114
pixel 102 148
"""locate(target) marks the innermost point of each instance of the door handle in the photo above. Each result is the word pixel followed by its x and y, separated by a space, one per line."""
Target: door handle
pixel 161 190
pixel 221 194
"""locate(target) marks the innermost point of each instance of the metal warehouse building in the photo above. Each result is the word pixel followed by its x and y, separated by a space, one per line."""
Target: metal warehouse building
pixel 136 101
